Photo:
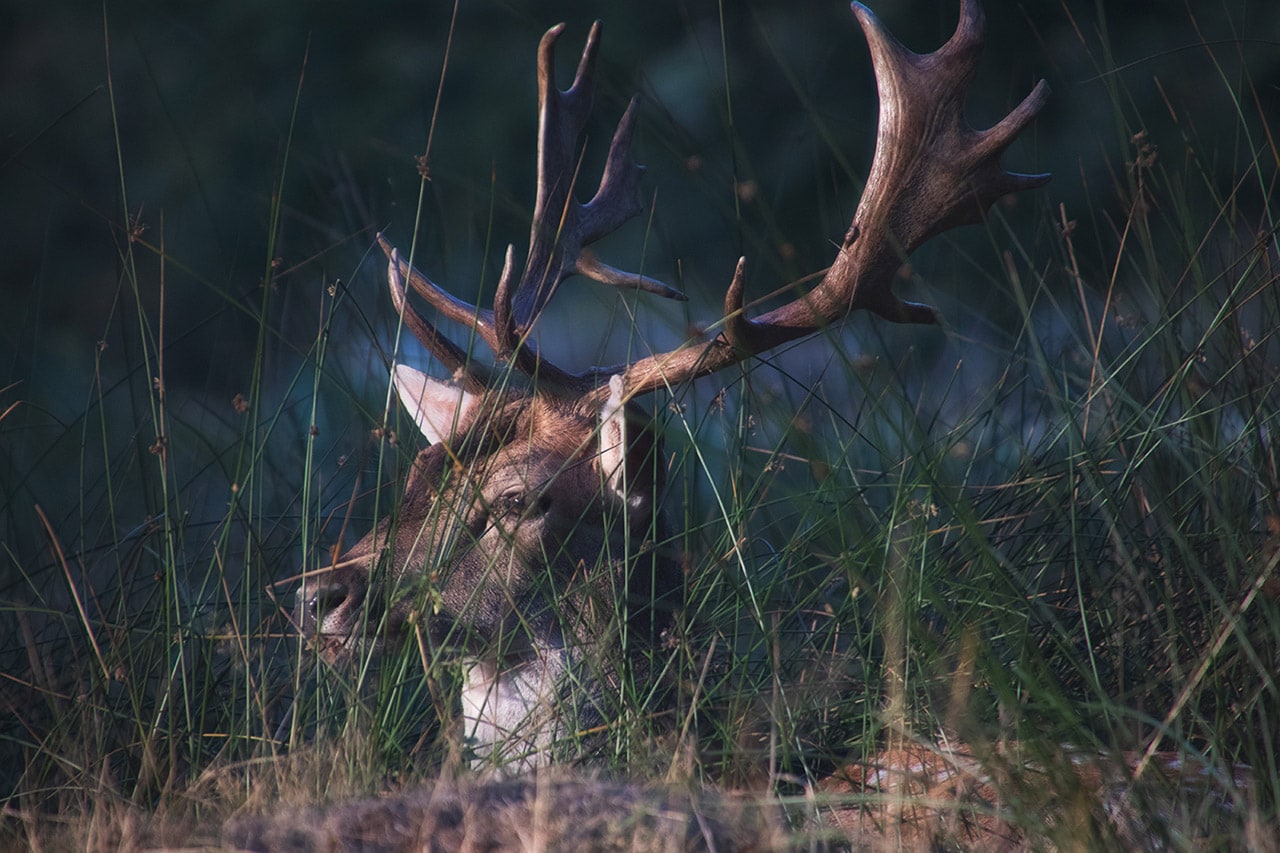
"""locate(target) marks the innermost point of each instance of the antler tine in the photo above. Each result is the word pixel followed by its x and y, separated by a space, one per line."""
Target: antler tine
pixel 444 303
pixel 452 356
pixel 931 172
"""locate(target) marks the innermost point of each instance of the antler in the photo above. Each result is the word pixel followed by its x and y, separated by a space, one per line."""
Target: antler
pixel 931 172
pixel 562 229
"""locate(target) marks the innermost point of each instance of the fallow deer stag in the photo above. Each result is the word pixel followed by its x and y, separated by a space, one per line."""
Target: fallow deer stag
pixel 524 537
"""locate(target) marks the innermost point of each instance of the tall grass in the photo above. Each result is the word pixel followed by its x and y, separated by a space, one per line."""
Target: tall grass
pixel 1053 522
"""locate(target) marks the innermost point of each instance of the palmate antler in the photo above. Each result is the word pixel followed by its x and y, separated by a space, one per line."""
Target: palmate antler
pixel 931 172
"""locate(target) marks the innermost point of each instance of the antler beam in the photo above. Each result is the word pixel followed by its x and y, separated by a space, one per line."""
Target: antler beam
pixel 931 172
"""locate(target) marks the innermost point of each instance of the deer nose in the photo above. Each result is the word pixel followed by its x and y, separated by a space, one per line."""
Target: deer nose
pixel 327 606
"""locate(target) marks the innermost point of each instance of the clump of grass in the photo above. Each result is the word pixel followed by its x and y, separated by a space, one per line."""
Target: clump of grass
pixel 548 810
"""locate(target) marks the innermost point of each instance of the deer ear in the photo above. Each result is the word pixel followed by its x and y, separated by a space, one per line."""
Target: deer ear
pixel 439 408
pixel 628 452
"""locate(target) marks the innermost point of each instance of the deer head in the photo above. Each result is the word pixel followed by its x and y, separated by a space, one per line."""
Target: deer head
pixel 524 536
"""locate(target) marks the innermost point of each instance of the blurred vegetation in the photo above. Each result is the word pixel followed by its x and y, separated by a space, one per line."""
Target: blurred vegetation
pixel 190 197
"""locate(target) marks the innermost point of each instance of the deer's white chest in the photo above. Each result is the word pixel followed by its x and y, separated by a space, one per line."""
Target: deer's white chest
pixel 512 719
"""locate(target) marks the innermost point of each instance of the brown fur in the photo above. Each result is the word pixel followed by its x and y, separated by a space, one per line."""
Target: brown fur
pixel 510 549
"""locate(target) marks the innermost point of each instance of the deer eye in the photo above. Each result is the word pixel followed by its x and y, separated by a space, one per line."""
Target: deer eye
pixel 510 503
pixel 521 503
